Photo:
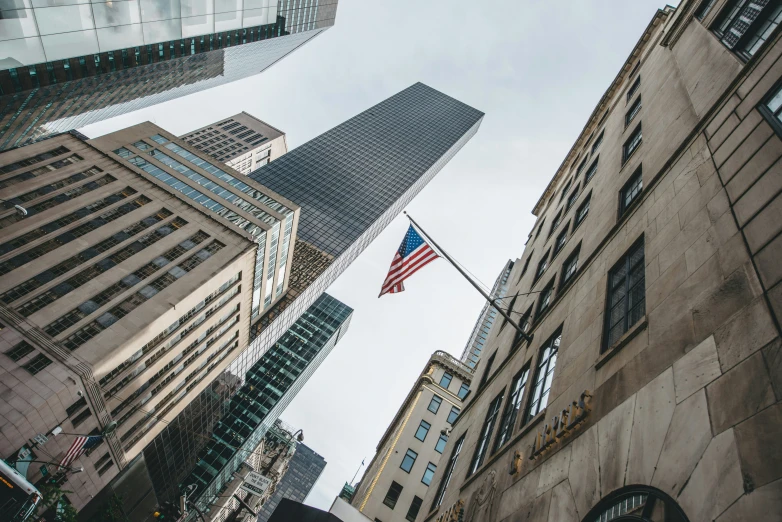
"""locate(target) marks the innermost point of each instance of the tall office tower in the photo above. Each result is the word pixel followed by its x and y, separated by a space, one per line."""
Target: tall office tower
pixel 411 449
pixel 269 386
pixel 125 291
pixel 472 351
pixel 242 142
pixel 650 388
pixel 303 471
pixel 66 66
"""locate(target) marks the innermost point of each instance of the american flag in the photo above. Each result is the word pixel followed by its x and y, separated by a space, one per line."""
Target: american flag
pixel 79 446
pixel 414 253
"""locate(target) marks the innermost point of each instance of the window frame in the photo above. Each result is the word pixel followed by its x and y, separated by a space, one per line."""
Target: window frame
pixel 774 118
pixel 466 387
pixel 457 412
pixel 560 241
pixel 566 279
pixel 544 303
pixel 431 467
pixel 543 368
pixel 572 198
pixel 485 434
pixel 417 508
pixel 37 364
pixel 626 152
pixel 633 111
pixel 404 459
pixel 593 169
pixel 635 178
pixel 439 403
pixel 730 13
pixel 444 439
pixel 442 378
pixel 544 263
pixel 448 474
pixel 624 263
pixel 633 89
pixel 555 224
pixel 487 371
pixel 420 427
pixel 584 204
pixel 702 10
pixel 510 413
pixel 392 503
pixel 599 139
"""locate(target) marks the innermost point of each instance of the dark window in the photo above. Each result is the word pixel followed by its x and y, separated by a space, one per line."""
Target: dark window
pixel 630 191
pixel 559 244
pixel 746 25
pixel 771 108
pixel 445 380
pixel 463 389
pixel 590 173
pixel 438 499
pixel 428 473
pixel 393 495
pixel 409 460
pixel 434 404
pixel 632 143
pixel 525 325
pixel 20 351
pixel 76 406
pixel 582 211
pixel 555 224
pixel 703 9
pixel 547 360
pixel 509 311
pixel 422 430
pixel 81 417
pixel 634 109
pixel 37 364
pixel 541 226
pixel 415 507
pixel 569 268
pixel 511 412
pixel 545 298
pixel 485 375
pixel 572 198
pixel 633 88
pixel 526 265
pixel 567 185
pixel 635 68
pixel 542 265
pixel 599 139
pixel 441 442
pixel 453 414
pixel 485 434
pixel 626 302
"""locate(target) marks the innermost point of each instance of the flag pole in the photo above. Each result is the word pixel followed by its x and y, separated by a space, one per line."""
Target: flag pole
pixel 491 301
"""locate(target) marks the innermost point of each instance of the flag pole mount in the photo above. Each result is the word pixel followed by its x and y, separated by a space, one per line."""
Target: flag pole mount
pixel 524 335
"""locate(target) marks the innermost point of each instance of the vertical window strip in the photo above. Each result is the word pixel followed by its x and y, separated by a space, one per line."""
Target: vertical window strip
pixel 485 434
pixel 544 374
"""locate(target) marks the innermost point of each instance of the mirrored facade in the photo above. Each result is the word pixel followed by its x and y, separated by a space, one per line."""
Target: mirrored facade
pixel 67 66
pixel 304 470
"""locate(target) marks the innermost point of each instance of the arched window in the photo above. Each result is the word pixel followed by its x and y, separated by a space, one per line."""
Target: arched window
pixel 637 504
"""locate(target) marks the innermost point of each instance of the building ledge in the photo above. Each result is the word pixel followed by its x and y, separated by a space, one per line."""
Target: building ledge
pixel 628 336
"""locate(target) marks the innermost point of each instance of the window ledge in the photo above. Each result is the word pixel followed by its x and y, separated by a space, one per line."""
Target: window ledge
pixel 628 336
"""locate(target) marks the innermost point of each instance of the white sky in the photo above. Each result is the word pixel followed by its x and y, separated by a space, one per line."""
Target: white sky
pixel 535 67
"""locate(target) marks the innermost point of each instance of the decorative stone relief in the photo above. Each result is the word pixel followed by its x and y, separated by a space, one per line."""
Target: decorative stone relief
pixel 482 500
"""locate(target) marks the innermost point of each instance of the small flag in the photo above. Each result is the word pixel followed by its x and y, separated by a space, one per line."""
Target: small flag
pixel 414 253
pixel 79 446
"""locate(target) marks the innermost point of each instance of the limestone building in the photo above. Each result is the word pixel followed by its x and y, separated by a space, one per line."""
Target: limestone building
pixel 242 142
pixel 125 290
pixel 400 474
pixel 650 390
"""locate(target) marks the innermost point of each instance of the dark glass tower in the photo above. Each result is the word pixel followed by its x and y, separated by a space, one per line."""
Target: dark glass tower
pixel 269 386
pixel 66 67
pixel 303 471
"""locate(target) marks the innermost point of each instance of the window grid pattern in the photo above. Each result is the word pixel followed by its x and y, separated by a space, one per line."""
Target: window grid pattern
pixel 512 407
pixel 393 495
pixel 545 298
pixel 484 437
pixel 415 507
pixel 570 267
pixel 438 499
pixel 599 139
pixel 559 244
pixel 38 158
pixel 571 200
pixel 773 107
pixel 632 143
pixel 20 351
pixel 583 210
pixel 631 191
pixel 626 294
pixel 71 235
pixel 547 361
pixel 542 266
pixel 634 88
pixel 39 171
pixel 46 189
pixel 38 363
pixel 590 173
pixel 635 108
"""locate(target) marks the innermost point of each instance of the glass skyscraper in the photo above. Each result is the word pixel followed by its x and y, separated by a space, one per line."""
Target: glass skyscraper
pixel 66 66
pixel 303 471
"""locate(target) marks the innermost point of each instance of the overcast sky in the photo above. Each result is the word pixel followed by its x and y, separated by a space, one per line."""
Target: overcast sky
pixel 535 67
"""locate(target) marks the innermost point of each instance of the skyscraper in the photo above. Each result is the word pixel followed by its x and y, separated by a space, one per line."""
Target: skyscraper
pixel 66 66
pixel 242 142
pixel 303 471
pixel 472 351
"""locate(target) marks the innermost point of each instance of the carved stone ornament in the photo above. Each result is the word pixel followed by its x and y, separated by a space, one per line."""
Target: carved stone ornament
pixel 481 508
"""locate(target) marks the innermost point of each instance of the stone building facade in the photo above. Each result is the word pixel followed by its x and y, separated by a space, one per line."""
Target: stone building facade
pixel 396 481
pixel 651 386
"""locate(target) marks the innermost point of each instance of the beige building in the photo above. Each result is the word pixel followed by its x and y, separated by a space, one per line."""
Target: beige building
pixel 243 142
pixel 396 481
pixel 125 290
pixel 650 390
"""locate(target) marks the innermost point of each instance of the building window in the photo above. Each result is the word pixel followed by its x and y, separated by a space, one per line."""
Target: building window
pixel 415 507
pixel 571 200
pixel 542 265
pixel 704 9
pixel 445 380
pixel 485 376
pixel 582 211
pixel 599 139
pixel 771 108
pixel 633 88
pixel 634 109
pixel 590 173
pixel 422 431
pixel 630 191
pixel 463 389
pixel 526 263
pixel 20 351
pixel 37 364
pixel 747 24
pixel 438 498
pixel 635 68
pixel 441 442
pixel 511 412
pixel 524 323
pixel 632 144
pixel 485 434
pixel 545 298
pixel 555 224
pixel 409 460
pixel 626 303
pixel 509 311
pixel 453 414
pixel 540 227
pixel 567 185
pixel 393 495
pixel 428 474
pixel 434 404
pixel 157 138
pixel 569 268
pixel 559 244
pixel 545 371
